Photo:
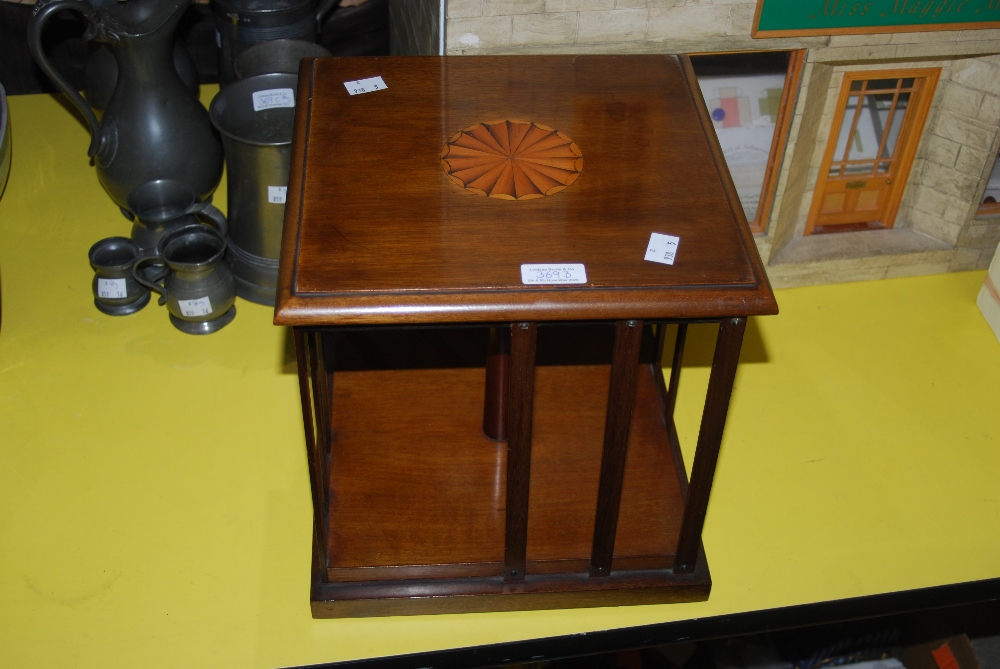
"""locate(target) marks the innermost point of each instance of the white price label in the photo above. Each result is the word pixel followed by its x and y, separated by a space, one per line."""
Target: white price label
pixel 111 289
pixel 273 97
pixel 276 194
pixel 369 85
pixel 201 306
pixel 662 248
pixel 549 274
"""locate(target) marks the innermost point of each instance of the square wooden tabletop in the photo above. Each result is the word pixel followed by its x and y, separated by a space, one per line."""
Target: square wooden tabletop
pixel 421 200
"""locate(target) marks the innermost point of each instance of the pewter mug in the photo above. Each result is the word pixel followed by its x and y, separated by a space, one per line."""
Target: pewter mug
pixel 244 23
pixel 158 206
pixel 153 127
pixel 198 288
pixel 116 292
pixel 280 55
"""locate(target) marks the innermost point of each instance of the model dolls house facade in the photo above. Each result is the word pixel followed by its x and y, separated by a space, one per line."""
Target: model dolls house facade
pixel 861 137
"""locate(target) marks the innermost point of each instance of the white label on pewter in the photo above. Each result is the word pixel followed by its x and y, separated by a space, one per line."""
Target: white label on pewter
pixel 111 289
pixel 199 307
pixel 273 97
pixel 553 274
pixel 662 248
pixel 276 194
pixel 369 85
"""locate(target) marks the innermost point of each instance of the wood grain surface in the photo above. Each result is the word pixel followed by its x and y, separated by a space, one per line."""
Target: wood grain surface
pixel 376 231
pixel 423 494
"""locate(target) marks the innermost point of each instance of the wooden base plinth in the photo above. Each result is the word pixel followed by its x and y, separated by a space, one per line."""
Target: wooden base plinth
pixel 417 497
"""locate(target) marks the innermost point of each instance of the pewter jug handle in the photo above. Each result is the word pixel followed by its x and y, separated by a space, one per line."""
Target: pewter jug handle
pixel 211 212
pixel 35 27
pixel 150 256
pixel 323 9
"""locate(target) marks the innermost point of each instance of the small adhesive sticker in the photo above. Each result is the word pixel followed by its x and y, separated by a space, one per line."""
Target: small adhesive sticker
pixel 553 274
pixel 369 85
pixel 111 289
pixel 662 248
pixel 272 98
pixel 201 306
pixel 276 194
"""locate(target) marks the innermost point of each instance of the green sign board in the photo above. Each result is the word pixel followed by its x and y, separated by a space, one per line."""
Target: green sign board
pixel 783 18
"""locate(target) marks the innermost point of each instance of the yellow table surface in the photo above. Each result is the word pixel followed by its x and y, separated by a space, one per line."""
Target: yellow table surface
pixel 154 498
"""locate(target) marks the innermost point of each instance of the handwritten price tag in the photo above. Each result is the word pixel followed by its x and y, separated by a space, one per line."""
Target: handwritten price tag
pixel 276 194
pixel 111 289
pixel 199 307
pixel 543 275
pixel 662 248
pixel 369 85
pixel 273 97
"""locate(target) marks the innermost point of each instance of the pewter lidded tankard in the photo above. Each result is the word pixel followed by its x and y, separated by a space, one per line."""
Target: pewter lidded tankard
pixel 243 23
pixel 153 127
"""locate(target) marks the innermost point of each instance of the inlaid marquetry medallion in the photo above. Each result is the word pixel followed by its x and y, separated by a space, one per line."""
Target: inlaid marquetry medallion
pixel 512 160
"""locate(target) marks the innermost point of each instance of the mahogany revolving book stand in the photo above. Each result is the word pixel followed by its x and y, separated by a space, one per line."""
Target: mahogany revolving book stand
pixel 479 331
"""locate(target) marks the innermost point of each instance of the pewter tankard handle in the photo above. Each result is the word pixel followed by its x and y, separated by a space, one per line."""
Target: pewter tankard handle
pixel 35 27
pixel 150 256
pixel 323 9
pixel 210 211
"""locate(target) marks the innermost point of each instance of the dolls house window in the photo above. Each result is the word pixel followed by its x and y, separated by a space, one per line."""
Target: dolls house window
pixel 749 98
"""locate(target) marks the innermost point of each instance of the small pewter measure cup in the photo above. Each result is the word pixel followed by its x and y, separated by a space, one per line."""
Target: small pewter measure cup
pixel 162 205
pixel 116 292
pixel 198 288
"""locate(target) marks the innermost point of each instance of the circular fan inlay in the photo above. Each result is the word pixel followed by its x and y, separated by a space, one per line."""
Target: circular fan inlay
pixel 512 160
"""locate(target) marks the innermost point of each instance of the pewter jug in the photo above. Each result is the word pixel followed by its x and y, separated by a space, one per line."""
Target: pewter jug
pixel 198 287
pixel 101 73
pixel 153 127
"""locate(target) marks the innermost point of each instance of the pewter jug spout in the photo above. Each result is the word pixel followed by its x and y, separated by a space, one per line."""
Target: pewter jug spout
pixel 137 19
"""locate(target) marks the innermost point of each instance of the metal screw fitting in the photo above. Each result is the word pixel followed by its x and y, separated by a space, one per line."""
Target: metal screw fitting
pixel 631 324
pixel 736 321
pixel 524 326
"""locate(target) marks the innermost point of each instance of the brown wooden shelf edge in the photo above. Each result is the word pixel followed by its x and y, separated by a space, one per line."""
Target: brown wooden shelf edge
pixel 535 592
pixel 499 306
pixel 978 597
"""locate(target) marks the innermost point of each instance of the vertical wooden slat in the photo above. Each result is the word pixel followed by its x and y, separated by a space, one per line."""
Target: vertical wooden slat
pixel 713 422
pixel 306 395
pixel 523 337
pixel 321 353
pixel 305 361
pixel 621 396
pixel 497 380
pixel 661 386
pixel 675 371
pixel 669 398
